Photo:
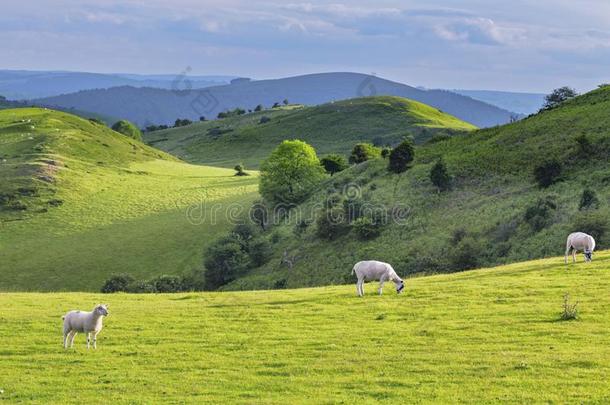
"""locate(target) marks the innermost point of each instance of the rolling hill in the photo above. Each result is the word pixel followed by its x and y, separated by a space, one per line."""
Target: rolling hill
pixel 495 212
pixel 23 84
pixel 484 336
pixel 333 127
pixel 158 106
pixel 79 202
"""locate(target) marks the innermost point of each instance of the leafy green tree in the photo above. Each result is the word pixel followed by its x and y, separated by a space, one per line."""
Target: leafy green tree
pixel 558 96
pixel 334 163
pixel 290 173
pixel 401 157
pixel 128 129
pixel 363 152
pixel 440 177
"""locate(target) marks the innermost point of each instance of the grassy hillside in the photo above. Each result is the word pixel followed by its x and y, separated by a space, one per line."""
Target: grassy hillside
pixel 495 212
pixel 333 127
pixel 79 201
pixel 487 336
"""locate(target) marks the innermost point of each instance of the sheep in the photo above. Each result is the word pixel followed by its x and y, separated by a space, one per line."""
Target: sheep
pixel 580 241
pixel 374 270
pixel 86 322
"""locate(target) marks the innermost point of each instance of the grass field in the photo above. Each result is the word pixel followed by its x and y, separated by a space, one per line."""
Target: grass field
pixel 333 127
pixel 80 202
pixel 484 336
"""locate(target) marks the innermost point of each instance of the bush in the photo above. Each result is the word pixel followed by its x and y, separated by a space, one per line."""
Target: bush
pixel 301 227
pixel 128 129
pixel 334 163
pixel 117 283
pixel 401 157
pixel 363 152
pixel 167 284
pixel 264 119
pixel 584 146
pixel 539 215
pixel 259 108
pixel 331 224
pixel 182 122
pixel 466 254
pixel 439 175
pixel 260 252
pixel 548 173
pixel 366 228
pixel 588 200
pixel 385 152
pixel 224 262
pixel 240 170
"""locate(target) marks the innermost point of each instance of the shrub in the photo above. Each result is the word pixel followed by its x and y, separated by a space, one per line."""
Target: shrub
pixel 401 157
pixel 385 152
pixel 331 224
pixel 466 254
pixel 224 262
pixel 182 122
pixel 301 227
pixel 366 228
pixel 117 283
pixel 260 252
pixel 97 121
pixel 570 311
pixel 259 108
pixel 363 152
pixel 128 129
pixel 334 163
pixel 539 215
pixel 264 119
pixel 440 177
pixel 244 232
pixel 584 146
pixel 167 284
pixel 588 200
pixel 548 173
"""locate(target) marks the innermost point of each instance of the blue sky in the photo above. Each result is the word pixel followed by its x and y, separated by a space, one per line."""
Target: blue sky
pixel 477 44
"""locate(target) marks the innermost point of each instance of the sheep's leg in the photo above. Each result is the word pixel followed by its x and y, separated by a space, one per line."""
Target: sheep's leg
pixel 573 255
pixel 94 340
pixel 66 339
pixel 381 281
pixel 360 287
pixel 72 338
pixel 567 253
pixel 88 339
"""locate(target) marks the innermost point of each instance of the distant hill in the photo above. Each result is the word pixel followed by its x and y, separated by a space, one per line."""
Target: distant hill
pixel 79 202
pixel 495 212
pixel 154 106
pixel 23 84
pixel 522 103
pixel 331 127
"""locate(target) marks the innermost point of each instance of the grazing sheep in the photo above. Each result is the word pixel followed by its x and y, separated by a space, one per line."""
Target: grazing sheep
pixel 374 270
pixel 85 322
pixel 580 241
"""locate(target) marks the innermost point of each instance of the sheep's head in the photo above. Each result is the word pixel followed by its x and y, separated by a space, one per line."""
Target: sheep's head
pixel 588 255
pixel 400 286
pixel 101 310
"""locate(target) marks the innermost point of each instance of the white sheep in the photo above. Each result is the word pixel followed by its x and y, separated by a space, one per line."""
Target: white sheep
pixel 85 322
pixel 580 241
pixel 374 270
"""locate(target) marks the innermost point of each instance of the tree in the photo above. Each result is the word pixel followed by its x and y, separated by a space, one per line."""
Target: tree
pixel 182 122
pixel 239 168
pixel 264 119
pixel 276 105
pixel 401 157
pixel 334 163
pixel 259 108
pixel 202 118
pixel 286 102
pixel 588 200
pixel 224 262
pixel 548 173
pixel 363 152
pixel 558 96
pixel 290 173
pixel 128 129
pixel 440 177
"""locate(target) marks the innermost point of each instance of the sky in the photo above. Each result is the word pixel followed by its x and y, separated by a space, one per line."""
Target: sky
pixel 512 45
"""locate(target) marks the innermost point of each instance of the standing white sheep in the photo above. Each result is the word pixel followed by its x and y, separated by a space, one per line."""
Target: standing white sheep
pixel 85 322
pixel 580 241
pixel 374 270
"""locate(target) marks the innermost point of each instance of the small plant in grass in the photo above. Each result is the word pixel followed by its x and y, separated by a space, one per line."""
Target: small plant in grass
pixel 240 170
pixel 570 311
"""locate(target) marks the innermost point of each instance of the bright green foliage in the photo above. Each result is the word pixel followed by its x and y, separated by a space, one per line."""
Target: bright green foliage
pixel 329 128
pixel 290 173
pixel 95 203
pixel 440 177
pixel 484 336
pixel 128 129
pixel 363 152
pixel 401 157
pixel 334 163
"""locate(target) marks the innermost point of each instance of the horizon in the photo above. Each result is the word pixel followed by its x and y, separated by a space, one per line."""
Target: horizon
pixel 475 45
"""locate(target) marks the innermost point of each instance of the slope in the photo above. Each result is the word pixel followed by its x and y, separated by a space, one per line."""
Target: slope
pixel 333 127
pixel 485 336
pixel 79 201
pixel 494 213
pixel 155 106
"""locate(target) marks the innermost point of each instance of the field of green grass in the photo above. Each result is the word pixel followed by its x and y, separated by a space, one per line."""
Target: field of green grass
pixel 333 127
pixel 485 336
pixel 80 202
